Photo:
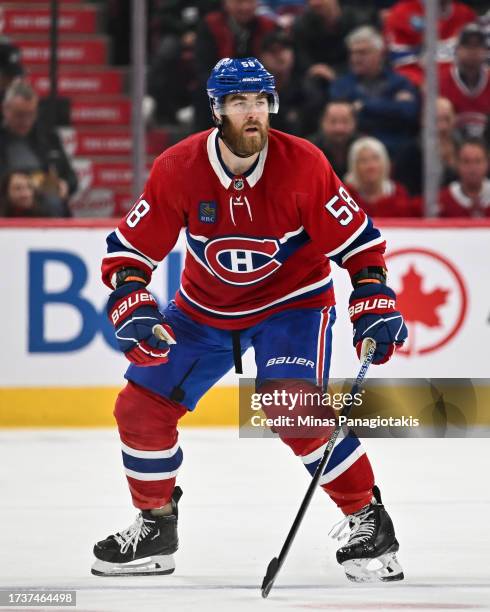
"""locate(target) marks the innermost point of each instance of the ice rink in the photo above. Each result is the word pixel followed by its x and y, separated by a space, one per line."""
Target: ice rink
pixel 61 490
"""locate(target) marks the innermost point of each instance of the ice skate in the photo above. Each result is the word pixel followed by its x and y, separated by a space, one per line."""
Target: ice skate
pixel 145 548
pixel 370 552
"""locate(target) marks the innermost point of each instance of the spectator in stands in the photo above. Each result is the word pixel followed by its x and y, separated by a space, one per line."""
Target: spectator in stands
pixel 20 198
pixel 172 77
pixel 387 103
pixel 169 19
pixel 234 31
pixel 320 34
pixel 467 82
pixel 321 51
pixel 409 160
pixel 25 144
pixel 10 66
pixel 369 183
pixel 337 131
pixel 278 57
pixel 470 195
pixel 404 32
pixel 164 17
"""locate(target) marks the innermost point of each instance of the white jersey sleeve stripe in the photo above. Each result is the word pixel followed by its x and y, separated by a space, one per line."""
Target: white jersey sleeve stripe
pixel 128 245
pixel 350 239
pixel 363 247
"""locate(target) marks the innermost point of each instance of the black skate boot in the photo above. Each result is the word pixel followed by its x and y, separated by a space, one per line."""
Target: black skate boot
pixel 370 553
pixel 143 549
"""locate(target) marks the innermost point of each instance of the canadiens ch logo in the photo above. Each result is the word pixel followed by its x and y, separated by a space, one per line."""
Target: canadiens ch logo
pixel 242 261
pixel 207 212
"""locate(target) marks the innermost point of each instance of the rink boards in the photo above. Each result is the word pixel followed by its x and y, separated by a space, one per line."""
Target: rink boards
pixel 60 367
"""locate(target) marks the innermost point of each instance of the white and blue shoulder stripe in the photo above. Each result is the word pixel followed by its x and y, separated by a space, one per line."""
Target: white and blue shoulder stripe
pixel 119 246
pixel 364 238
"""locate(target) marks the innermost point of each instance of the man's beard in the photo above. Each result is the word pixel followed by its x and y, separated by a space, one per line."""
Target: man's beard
pixel 242 144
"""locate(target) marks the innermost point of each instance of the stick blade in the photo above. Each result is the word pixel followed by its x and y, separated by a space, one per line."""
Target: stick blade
pixel 270 576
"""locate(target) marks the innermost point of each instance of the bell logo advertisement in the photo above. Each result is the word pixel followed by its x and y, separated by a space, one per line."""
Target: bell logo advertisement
pixel 431 295
pixel 62 317
pixel 58 331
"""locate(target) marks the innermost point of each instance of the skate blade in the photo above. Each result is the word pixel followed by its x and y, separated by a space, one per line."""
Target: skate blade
pixel 385 568
pixel 151 566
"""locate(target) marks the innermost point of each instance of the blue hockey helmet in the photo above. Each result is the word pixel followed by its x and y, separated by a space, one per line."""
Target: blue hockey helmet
pixel 244 75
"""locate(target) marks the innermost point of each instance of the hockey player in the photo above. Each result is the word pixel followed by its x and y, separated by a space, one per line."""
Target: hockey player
pixel 263 214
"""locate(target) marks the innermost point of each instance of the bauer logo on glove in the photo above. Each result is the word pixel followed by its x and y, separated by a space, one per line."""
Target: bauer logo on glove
pixel 127 305
pixel 369 305
pixel 141 331
pixel 372 310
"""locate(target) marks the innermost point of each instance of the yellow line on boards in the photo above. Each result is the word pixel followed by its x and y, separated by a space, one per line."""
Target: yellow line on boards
pixel 460 407
pixel 93 406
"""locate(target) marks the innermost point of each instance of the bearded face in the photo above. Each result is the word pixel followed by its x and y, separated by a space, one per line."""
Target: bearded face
pixel 246 132
pixel 246 139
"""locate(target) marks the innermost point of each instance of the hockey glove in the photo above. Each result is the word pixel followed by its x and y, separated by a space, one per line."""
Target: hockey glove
pixel 134 313
pixel 372 310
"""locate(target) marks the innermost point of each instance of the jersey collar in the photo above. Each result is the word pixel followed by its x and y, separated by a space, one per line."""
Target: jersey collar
pixel 481 85
pixel 456 191
pixel 225 177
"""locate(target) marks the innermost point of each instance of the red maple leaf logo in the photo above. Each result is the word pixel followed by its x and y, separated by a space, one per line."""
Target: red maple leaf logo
pixel 418 306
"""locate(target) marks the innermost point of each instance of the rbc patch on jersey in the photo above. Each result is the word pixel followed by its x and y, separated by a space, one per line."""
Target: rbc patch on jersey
pixel 207 212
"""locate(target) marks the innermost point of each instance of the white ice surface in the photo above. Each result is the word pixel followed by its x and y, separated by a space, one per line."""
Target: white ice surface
pixel 60 491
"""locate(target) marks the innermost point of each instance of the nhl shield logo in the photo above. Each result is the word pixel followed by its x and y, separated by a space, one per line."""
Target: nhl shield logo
pixel 238 184
pixel 207 212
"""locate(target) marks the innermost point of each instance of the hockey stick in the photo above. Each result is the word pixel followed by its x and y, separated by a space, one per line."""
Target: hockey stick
pixel 274 567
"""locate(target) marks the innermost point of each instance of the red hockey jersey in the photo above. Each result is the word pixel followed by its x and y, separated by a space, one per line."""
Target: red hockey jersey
pixel 404 33
pixel 256 243
pixel 472 106
pixel 453 202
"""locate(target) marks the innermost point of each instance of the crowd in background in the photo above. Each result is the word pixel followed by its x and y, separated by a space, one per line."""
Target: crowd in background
pixel 36 176
pixel 350 78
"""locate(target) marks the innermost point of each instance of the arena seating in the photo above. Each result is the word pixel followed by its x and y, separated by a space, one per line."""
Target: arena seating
pixel 99 98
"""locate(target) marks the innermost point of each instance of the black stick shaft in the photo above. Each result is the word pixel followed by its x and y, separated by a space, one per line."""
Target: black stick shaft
pixel 277 562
